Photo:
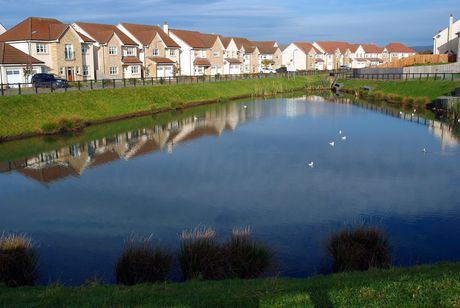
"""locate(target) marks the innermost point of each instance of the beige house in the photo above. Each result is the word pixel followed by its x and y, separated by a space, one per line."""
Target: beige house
pixel 233 62
pixel 249 55
pixel 270 55
pixel 159 53
pixel 115 55
pixel 64 51
pixel 396 51
pixel 333 55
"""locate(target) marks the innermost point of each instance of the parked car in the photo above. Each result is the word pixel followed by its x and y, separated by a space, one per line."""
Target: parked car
pixel 267 70
pixel 282 70
pixel 43 80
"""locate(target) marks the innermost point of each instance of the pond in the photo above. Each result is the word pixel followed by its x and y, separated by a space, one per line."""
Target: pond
pixel 236 164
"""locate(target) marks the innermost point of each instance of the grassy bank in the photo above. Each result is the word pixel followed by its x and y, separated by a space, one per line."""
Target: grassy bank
pixel 35 114
pixel 426 286
pixel 411 88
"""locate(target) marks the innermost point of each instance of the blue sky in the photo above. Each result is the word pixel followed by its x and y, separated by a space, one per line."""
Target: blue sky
pixel 413 22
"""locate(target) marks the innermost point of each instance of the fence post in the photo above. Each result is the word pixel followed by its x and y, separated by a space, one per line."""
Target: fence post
pixel 113 83
pixel 91 84
pixel 124 83
pixel 103 83
pixel 78 84
pixel 19 87
pixel 1 89
pixel 143 81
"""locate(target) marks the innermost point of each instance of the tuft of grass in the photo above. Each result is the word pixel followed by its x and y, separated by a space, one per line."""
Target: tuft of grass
pixel 18 261
pixel 201 255
pixel 63 125
pixel 246 258
pixel 359 249
pixel 141 262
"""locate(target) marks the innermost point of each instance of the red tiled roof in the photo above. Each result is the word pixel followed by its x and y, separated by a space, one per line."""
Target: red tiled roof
pixel 146 33
pixel 242 42
pixel 102 33
pixel 266 47
pixel 306 47
pixel 331 46
pixel 195 39
pixel 11 55
pixel 202 62
pixel 84 38
pixel 35 28
pixel 398 47
pixel 372 48
pixel 319 60
pixel 233 61
pixel 225 41
pixel 161 60
pixel 131 60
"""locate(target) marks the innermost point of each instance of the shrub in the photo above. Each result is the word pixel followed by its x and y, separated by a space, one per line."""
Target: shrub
pixel 201 255
pixel 63 125
pixel 408 101
pixel 359 250
pixel 246 258
pixel 422 101
pixel 18 261
pixel 141 262
pixel 394 98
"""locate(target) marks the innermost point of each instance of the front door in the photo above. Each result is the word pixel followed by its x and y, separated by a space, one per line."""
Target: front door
pixel 69 75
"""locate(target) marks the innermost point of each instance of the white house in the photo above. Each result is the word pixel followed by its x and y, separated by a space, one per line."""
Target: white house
pixel 299 56
pixel 397 51
pixel 232 62
pixel 447 40
pixel 2 29
pixel 14 65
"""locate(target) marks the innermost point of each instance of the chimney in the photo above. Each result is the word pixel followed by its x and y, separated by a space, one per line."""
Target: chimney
pixel 166 27
pixel 451 30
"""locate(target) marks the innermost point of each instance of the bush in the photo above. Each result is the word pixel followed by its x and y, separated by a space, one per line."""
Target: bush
pixel 246 258
pixel 408 101
pixel 422 101
pixel 141 262
pixel 201 255
pixel 359 250
pixel 18 261
pixel 63 125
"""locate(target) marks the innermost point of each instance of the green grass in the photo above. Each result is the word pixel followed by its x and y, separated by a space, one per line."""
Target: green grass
pixel 426 286
pixel 412 88
pixel 29 114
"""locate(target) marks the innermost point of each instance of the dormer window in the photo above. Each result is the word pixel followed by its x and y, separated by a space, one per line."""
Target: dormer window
pixel 130 51
pixel 172 53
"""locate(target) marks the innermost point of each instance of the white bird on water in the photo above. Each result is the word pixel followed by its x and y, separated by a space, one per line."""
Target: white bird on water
pixel 424 150
pixel 311 164
pixel 245 107
pixel 340 132
pixel 195 118
pixel 332 144
pixel 344 138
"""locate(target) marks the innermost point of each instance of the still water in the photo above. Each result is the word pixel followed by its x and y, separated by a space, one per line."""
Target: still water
pixel 233 165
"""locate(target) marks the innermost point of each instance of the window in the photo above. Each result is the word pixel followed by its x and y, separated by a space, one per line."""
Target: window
pixel 61 71
pixel 84 49
pixel 112 50
pixel 85 70
pixel 113 70
pixel 172 53
pixel 130 51
pixel 155 52
pixel 215 54
pixel 68 52
pixel 78 70
pixel 42 48
pixel 135 69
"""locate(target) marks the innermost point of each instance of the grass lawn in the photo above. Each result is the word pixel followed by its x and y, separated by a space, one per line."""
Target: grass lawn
pixel 425 286
pixel 411 88
pixel 31 113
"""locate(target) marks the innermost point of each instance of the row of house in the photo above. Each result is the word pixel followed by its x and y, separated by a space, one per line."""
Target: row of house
pixel 88 51
pixel 334 55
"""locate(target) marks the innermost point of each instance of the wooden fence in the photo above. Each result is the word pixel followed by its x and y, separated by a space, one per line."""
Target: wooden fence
pixel 417 60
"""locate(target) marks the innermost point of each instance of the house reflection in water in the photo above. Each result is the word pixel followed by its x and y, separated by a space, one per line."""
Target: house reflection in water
pixel 74 159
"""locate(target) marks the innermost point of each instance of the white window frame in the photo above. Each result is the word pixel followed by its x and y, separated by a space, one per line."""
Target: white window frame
pixel 113 70
pixel 113 50
pixel 85 70
pixel 42 49
pixel 155 52
pixel 135 69
pixel 84 49
pixel 172 53
pixel 130 51
pixel 68 52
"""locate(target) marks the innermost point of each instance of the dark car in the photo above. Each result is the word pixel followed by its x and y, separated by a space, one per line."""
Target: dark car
pixel 281 70
pixel 44 80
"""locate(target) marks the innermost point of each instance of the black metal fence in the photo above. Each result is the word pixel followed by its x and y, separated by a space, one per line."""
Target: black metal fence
pixel 10 89
pixel 401 76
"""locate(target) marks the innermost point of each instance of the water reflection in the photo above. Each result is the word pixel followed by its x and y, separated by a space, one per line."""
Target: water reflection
pixel 74 159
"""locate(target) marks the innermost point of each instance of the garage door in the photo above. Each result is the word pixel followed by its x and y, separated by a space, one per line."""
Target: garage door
pixel 160 72
pixel 169 71
pixel 13 76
